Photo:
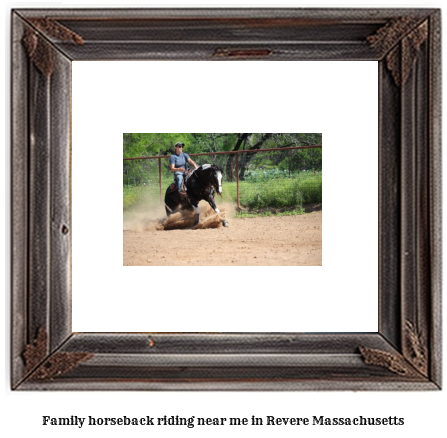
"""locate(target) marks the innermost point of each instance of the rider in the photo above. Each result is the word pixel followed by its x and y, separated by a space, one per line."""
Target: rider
pixel 178 164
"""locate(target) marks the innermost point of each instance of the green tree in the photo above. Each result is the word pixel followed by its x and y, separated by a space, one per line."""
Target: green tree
pixel 161 144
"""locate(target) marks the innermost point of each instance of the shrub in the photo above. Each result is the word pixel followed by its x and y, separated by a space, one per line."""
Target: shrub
pixel 261 189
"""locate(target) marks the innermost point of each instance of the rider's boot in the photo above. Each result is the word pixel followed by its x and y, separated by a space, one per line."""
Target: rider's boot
pixel 182 191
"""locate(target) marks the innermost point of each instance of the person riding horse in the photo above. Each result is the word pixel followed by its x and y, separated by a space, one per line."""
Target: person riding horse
pixel 178 165
pixel 203 184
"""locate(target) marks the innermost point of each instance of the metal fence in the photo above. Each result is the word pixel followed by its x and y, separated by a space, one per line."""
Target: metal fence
pixel 281 177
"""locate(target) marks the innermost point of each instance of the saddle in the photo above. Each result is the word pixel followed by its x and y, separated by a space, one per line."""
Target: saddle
pixel 186 176
pixel 173 187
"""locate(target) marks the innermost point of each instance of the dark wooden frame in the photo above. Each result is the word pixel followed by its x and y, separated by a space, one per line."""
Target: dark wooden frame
pixel 405 354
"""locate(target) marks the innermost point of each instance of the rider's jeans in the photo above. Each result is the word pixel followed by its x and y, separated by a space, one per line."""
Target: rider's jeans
pixel 179 178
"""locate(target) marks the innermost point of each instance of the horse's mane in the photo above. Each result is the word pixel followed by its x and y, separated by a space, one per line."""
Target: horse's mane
pixel 208 166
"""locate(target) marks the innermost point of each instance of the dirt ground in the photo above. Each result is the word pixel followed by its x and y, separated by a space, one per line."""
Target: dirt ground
pixel 261 241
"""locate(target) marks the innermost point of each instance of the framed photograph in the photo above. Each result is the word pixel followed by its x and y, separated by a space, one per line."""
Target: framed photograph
pixel 403 354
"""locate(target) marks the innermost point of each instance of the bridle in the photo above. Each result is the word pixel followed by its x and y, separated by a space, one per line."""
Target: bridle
pixel 215 170
pixel 216 178
pixel 219 181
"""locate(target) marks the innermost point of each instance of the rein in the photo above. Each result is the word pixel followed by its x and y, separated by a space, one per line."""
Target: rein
pixel 198 179
pixel 197 176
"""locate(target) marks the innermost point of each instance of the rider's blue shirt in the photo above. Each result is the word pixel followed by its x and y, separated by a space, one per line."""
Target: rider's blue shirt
pixel 179 160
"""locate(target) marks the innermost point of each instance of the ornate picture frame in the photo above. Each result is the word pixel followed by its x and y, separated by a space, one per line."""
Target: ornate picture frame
pixel 405 353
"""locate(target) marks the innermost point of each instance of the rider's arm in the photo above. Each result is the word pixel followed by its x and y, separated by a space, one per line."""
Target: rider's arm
pixel 192 163
pixel 179 169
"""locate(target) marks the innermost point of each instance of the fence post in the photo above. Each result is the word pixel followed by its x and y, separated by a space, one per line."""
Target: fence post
pixel 289 162
pixel 237 179
pixel 159 179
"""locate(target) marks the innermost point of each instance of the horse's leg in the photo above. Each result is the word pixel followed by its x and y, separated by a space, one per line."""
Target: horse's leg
pixel 170 204
pixel 214 207
pixel 196 208
pixel 168 210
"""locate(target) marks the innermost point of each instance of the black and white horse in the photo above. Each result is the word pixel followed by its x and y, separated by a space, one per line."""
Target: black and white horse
pixel 203 183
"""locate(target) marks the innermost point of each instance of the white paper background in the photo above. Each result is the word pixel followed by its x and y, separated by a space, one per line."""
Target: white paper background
pixel 21 412
pixel 110 98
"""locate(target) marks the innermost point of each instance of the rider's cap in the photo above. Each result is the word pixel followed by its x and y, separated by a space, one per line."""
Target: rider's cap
pixel 179 143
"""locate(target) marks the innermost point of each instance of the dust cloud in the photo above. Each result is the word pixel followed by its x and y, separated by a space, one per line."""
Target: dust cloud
pixel 156 219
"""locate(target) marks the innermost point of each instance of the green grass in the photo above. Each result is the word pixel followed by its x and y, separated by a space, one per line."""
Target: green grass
pixel 296 212
pixel 135 198
pixel 289 193
pixel 277 193
pixel 130 197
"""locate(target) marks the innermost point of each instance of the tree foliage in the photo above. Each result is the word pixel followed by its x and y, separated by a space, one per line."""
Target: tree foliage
pixel 147 144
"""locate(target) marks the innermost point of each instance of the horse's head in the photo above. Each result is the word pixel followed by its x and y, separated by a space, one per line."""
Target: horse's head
pixel 218 179
pixel 214 175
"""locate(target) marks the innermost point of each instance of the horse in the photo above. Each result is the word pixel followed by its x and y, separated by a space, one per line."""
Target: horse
pixel 202 184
